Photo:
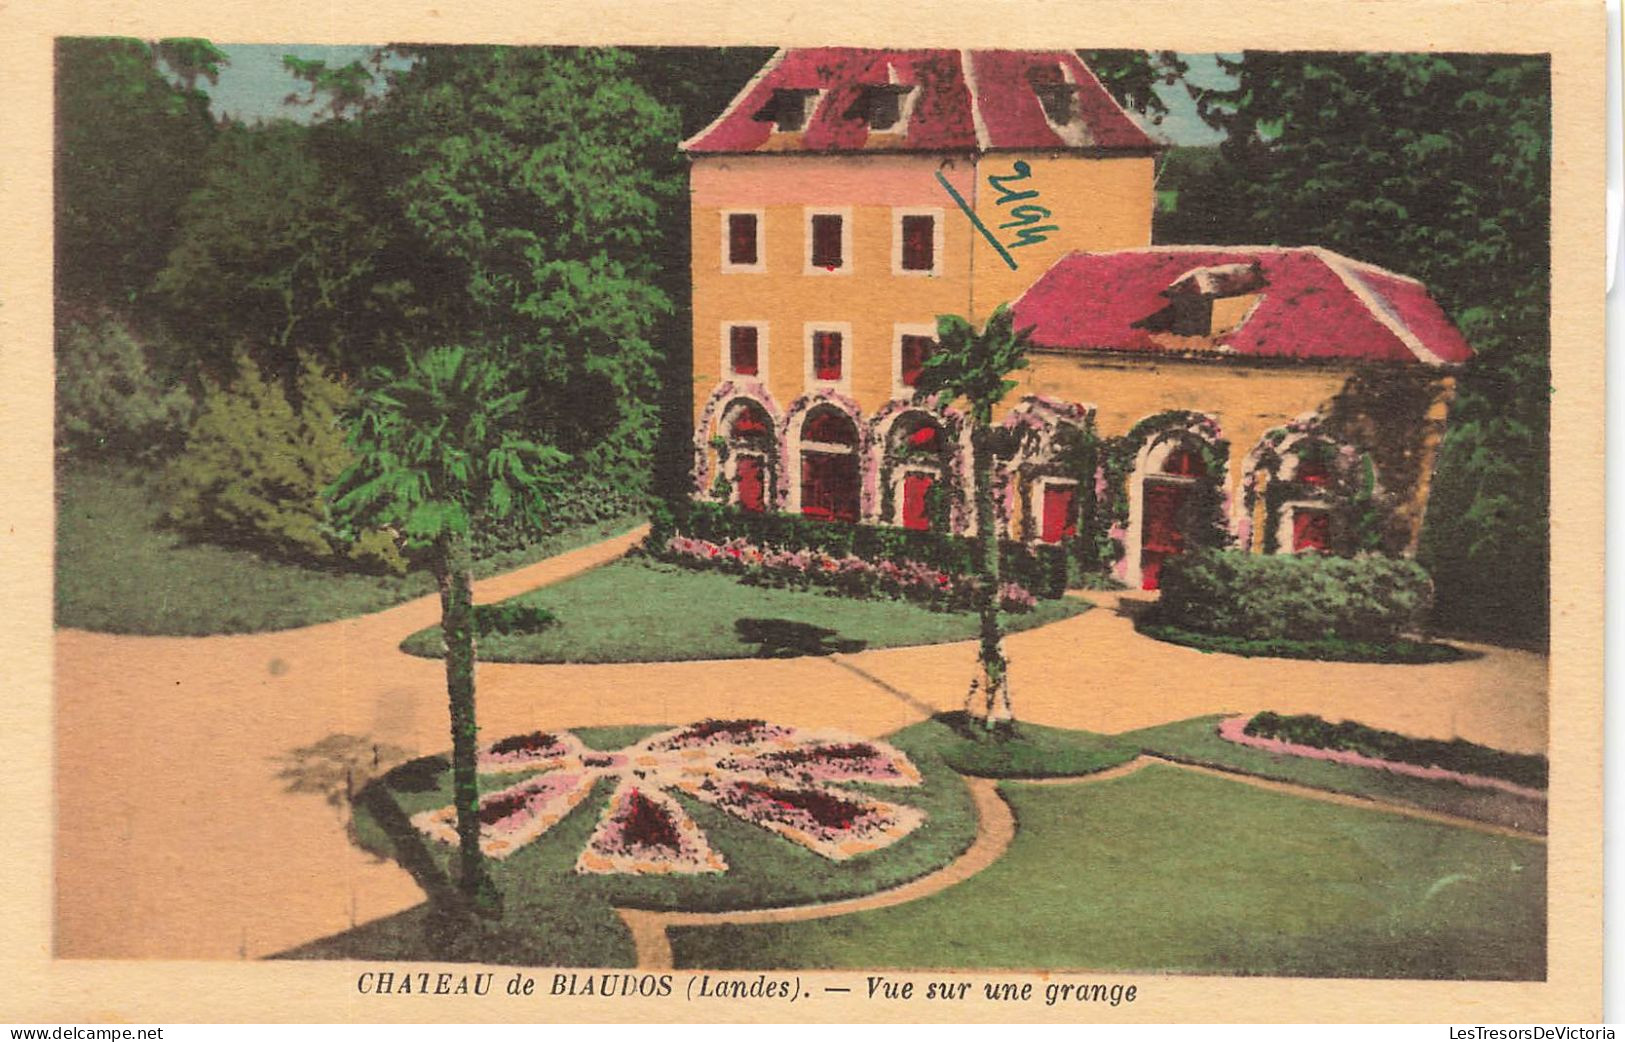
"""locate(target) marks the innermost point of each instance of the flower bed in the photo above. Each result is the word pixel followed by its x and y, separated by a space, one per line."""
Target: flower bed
pixel 775 777
pixel 1242 731
pixel 848 575
pixel 645 831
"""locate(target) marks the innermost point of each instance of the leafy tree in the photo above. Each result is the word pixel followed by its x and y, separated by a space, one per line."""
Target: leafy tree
pixel 129 148
pixel 278 250
pixel 256 463
pixel 975 366
pixel 537 178
pixel 439 453
pixel 1437 166
pixel 1132 77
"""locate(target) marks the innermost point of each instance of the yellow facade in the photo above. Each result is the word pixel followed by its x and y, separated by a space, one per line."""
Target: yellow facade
pixel 1095 204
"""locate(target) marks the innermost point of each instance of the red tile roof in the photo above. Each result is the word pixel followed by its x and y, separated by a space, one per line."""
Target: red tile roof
pixel 1313 304
pixel 966 101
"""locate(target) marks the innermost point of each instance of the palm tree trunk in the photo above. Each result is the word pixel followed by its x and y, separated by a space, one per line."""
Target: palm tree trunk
pixel 992 704
pixel 455 574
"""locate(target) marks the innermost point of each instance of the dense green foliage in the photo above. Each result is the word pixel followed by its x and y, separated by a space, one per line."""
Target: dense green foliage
pixel 129 148
pixel 256 464
pixel 1326 650
pixel 110 401
pixel 1436 166
pixel 1304 597
pixel 1457 755
pixel 646 611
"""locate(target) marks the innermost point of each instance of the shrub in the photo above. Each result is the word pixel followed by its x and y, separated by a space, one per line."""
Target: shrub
pixel 1456 755
pixel 1294 596
pixel 512 617
pixel 109 402
pixel 256 465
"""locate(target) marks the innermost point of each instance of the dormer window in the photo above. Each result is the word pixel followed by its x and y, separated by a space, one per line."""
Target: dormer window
pixel 1191 296
pixel 788 110
pixel 1056 93
pixel 882 106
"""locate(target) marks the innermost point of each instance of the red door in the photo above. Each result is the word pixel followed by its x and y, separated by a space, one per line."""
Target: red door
pixel 915 515
pixel 1311 530
pixel 1161 535
pixel 748 483
pixel 1059 520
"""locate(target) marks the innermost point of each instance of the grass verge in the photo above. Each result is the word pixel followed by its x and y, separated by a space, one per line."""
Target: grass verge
pixel 1023 751
pixel 640 610
pixel 118 571
pixel 1404 652
pixel 1168 871
pixel 1197 741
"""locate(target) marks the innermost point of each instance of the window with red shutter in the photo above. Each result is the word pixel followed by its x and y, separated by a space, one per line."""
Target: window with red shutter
pixel 919 242
pixel 742 350
pixel 827 354
pixel 742 239
pixel 915 350
pixel 827 250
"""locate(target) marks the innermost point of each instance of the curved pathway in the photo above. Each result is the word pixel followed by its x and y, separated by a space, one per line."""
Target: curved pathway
pixel 179 835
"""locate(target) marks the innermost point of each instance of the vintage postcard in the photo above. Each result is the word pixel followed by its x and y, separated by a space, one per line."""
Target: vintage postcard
pixel 742 515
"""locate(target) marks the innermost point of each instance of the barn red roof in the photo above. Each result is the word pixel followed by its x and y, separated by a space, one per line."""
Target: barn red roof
pixel 961 101
pixel 1312 304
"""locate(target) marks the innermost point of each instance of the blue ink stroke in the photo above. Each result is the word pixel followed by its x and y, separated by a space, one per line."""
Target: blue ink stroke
pixel 976 222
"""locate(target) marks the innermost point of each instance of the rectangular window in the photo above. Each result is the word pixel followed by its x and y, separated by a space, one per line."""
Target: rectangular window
pixel 827 354
pixel 915 349
pixel 919 242
pixel 742 347
pixel 749 484
pixel 827 235
pixel 742 240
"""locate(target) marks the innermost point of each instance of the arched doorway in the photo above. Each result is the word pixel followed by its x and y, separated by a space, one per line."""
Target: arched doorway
pixel 829 465
pixel 915 465
pixel 748 431
pixel 1173 502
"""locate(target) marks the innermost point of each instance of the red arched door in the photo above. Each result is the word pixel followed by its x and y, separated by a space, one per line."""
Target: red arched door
pixel 829 467
pixel 1165 511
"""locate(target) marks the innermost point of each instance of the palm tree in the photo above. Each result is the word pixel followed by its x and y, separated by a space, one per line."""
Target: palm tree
pixel 438 452
pixel 975 367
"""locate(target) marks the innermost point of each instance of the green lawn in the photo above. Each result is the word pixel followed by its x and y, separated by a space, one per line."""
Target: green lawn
pixel 554 916
pixel 117 571
pixel 1168 871
pixel 639 610
pixel 1197 741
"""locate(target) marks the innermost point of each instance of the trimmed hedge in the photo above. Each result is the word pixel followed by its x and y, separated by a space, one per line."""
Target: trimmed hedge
pixel 512 617
pixel 1302 597
pixel 1457 755
pixel 1041 569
